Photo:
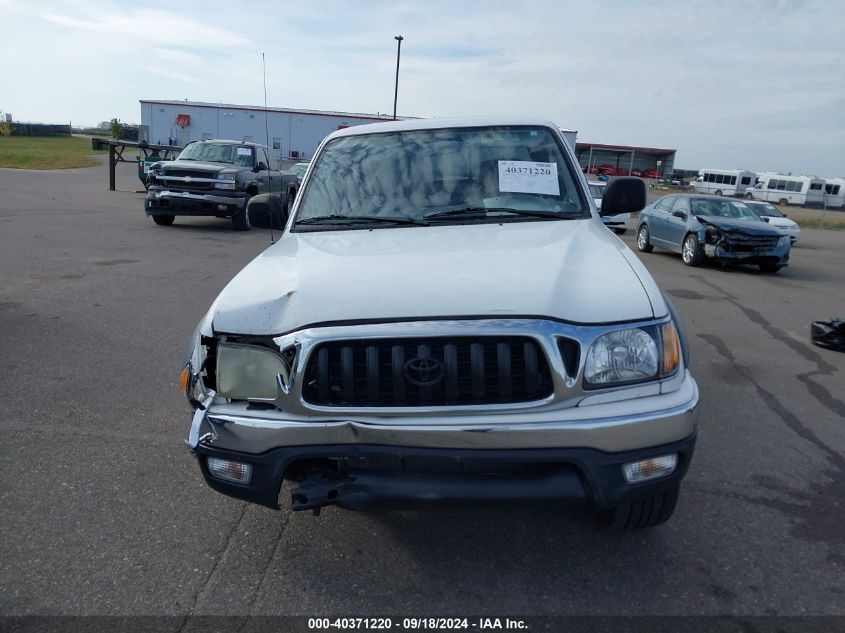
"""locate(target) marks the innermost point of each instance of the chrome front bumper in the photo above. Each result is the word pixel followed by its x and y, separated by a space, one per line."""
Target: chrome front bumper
pixel 622 425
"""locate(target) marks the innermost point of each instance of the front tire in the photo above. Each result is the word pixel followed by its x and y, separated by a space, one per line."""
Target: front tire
pixel 644 244
pixel 783 202
pixel 643 513
pixel 240 221
pixel 691 251
pixel 718 192
pixel 164 220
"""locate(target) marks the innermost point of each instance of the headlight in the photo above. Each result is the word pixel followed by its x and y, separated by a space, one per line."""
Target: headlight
pixel 229 177
pixel 633 355
pixel 248 371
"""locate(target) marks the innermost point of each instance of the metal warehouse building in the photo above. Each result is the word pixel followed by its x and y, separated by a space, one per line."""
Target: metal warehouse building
pixel 295 134
pixel 626 157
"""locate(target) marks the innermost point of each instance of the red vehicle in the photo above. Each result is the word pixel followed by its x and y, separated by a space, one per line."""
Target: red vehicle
pixel 607 170
pixel 651 173
pixel 637 172
pixel 621 171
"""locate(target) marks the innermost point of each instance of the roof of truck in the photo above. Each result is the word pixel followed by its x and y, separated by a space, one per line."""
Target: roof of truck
pixel 437 124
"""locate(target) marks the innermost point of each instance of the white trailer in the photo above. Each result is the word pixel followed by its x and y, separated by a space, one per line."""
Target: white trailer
pixel 783 189
pixel 724 182
pixel 834 192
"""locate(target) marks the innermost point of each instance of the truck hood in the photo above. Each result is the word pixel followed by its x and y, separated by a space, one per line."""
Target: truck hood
pixel 573 270
pixel 728 225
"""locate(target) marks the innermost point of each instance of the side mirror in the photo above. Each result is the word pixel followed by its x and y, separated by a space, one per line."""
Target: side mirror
pixel 765 219
pixel 259 166
pixel 264 208
pixel 626 194
pixel 679 214
pixel 786 216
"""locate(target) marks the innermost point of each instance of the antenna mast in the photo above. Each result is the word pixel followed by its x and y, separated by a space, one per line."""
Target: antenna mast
pixel 267 142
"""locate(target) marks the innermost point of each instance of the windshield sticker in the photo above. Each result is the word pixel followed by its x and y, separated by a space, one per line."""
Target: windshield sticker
pixel 519 176
pixel 244 151
pixel 738 205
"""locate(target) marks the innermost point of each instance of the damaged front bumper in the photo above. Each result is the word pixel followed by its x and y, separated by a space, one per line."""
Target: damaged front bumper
pixel 220 203
pixel 570 456
pixel 725 252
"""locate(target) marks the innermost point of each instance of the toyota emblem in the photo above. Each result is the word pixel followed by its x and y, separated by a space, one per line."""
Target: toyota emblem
pixel 424 372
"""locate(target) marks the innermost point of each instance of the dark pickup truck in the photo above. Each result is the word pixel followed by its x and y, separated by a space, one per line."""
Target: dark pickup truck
pixel 216 178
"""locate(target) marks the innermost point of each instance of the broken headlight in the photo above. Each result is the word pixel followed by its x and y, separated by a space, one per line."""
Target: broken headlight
pixel 633 355
pixel 190 381
pixel 248 372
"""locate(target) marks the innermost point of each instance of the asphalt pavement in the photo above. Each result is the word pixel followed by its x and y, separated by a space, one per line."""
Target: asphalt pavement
pixel 102 510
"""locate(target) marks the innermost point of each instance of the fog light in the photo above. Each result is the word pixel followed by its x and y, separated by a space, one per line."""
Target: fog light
pixel 230 471
pixel 651 468
pixel 221 207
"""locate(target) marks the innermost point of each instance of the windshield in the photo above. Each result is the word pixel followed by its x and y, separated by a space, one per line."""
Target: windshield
pixel 239 155
pixel 765 209
pixel 723 209
pixel 459 175
pixel 597 191
pixel 298 170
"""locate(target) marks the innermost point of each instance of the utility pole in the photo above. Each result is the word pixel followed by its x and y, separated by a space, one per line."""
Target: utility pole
pixel 398 39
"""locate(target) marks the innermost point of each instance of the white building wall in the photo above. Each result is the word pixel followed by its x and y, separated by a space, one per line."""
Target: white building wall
pixel 295 131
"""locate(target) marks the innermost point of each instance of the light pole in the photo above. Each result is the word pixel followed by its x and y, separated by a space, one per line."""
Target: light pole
pixel 398 39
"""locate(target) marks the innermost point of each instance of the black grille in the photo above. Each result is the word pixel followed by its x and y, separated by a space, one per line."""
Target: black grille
pixel 427 371
pixel 181 185
pixel 739 242
pixel 189 173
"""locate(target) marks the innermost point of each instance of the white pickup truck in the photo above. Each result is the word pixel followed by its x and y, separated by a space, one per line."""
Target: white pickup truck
pixel 446 318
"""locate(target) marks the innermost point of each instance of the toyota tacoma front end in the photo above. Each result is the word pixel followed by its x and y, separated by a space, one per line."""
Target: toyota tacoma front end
pixel 445 318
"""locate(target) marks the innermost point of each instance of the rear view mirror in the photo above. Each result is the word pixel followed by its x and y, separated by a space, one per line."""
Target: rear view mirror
pixel 259 166
pixel 266 207
pixel 624 195
pixel 679 214
pixel 765 219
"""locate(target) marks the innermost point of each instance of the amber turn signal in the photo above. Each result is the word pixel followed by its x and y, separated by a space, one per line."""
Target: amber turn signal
pixel 184 379
pixel 671 348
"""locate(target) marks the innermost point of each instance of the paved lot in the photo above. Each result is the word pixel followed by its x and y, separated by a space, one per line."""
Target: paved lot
pixel 103 512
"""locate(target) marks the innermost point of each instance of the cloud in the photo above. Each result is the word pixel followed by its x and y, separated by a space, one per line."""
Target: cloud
pixel 153 26
pixel 754 83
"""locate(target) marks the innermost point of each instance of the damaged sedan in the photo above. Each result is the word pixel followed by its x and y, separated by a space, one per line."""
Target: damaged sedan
pixel 711 228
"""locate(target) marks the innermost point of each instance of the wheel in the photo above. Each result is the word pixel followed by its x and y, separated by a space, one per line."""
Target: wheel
pixel 643 242
pixel 691 251
pixel 748 196
pixel 770 268
pixel 241 219
pixel 783 202
pixel 642 513
pixel 164 220
pixel 620 231
pixel 718 192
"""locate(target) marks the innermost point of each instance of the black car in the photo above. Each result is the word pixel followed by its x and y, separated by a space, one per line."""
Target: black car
pixel 216 178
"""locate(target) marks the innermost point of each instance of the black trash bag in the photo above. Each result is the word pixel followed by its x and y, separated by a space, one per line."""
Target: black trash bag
pixel 829 334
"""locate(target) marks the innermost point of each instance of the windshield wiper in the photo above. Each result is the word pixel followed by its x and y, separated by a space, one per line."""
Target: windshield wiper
pixel 483 212
pixel 335 218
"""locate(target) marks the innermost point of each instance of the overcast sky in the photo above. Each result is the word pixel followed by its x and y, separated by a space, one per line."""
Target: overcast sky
pixel 757 85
